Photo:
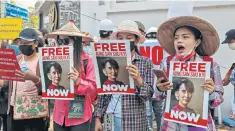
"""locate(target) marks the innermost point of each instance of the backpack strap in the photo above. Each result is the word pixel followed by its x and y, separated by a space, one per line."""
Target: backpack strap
pixel 168 60
pixel 85 62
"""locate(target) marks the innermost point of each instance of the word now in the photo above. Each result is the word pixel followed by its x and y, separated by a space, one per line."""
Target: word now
pixel 110 47
pixel 155 53
pixel 194 67
pixel 185 116
pixel 57 92
pixel 115 87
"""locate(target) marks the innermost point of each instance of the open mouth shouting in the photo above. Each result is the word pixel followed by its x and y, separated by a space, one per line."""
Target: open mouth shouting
pixel 180 49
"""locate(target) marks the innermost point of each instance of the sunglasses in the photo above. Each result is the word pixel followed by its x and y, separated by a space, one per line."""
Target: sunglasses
pixel 63 41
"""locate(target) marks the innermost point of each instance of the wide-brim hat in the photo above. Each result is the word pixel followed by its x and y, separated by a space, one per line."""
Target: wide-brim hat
pixel 87 36
pixel 128 26
pixel 210 41
pixel 69 29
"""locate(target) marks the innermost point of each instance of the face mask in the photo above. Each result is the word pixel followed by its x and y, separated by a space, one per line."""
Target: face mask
pixel 16 49
pixel 133 46
pixel 26 49
pixel 188 57
pixel 87 49
pixel 231 46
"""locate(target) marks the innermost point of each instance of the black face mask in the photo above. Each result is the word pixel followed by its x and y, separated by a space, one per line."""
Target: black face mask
pixel 133 46
pixel 46 42
pixel 26 49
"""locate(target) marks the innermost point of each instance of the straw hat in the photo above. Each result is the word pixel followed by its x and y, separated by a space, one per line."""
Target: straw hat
pixel 68 29
pixel 87 36
pixel 210 42
pixel 128 27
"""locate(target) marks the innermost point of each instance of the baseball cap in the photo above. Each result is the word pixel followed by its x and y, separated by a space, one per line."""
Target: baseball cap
pixel 28 34
pixel 140 26
pixel 229 36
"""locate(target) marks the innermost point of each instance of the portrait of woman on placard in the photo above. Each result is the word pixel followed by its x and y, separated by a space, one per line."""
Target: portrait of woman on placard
pixel 183 92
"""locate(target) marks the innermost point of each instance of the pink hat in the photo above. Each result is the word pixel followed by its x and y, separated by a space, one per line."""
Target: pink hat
pixel 128 27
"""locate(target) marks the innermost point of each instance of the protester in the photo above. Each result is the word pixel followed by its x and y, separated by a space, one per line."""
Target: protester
pixel 16 42
pixel 44 33
pixel 3 101
pixel 85 85
pixel 141 27
pixel 189 38
pixel 149 107
pixel 106 28
pixel 30 87
pixel 86 43
pixel 16 49
pixel 130 110
pixel 157 102
pixel 151 33
pixel 230 76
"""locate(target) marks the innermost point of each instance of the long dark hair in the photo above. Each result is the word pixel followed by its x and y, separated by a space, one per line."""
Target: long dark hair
pixel 77 50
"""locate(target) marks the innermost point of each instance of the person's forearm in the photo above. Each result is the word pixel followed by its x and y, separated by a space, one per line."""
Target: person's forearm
pixel 139 82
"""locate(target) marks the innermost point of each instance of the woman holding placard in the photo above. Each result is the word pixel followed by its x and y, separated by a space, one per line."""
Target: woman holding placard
pixel 189 38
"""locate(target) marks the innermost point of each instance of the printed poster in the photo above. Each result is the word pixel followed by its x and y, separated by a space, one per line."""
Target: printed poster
pixel 55 64
pixel 10 28
pixel 8 65
pixel 111 58
pixel 187 101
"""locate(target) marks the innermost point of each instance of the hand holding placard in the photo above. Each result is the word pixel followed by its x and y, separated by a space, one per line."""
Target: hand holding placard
pixel 74 75
pixel 28 75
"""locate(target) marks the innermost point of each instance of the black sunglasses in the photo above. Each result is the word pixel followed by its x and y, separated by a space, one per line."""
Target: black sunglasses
pixel 63 41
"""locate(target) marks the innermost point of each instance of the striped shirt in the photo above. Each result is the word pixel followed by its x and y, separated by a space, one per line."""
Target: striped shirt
pixel 133 108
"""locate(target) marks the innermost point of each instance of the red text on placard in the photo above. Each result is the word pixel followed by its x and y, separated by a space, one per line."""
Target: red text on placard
pixel 194 67
pixel 109 47
pixel 155 53
pixel 55 51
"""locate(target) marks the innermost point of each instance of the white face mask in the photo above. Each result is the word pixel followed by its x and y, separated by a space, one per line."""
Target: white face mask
pixel 231 46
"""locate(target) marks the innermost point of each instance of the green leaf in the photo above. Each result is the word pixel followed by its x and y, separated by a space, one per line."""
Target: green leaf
pixel 40 108
pixel 19 101
pixel 34 101
pixel 20 109
pixel 33 112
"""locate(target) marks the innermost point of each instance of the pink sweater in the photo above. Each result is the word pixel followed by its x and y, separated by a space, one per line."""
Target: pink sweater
pixel 87 87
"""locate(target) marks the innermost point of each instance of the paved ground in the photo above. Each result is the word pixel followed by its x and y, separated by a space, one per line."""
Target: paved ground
pixel 219 127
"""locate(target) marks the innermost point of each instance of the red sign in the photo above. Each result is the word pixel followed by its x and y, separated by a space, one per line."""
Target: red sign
pixel 155 53
pixel 8 65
